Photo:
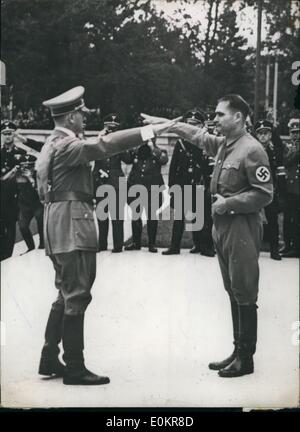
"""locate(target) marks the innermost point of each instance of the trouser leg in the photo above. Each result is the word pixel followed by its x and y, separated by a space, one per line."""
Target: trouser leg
pixel 287 221
pixel 137 227
pixel 152 230
pixel 9 237
pixel 103 233
pixel 238 243
pixel 25 217
pixel 177 233
pixel 271 212
pixel 39 216
pixel 118 233
pixel 295 231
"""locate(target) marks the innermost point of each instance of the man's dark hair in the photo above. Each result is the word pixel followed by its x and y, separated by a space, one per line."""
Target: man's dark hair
pixel 236 103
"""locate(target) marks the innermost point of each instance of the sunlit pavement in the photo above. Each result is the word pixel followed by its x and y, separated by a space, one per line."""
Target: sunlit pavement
pixel 154 324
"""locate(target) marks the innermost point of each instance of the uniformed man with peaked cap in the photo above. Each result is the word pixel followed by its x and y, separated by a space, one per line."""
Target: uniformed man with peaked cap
pixel 263 130
pixel 292 210
pixel 66 187
pixel 108 172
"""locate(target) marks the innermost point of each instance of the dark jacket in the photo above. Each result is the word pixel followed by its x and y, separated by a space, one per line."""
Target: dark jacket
pixel 291 162
pixel 188 165
pixel 146 166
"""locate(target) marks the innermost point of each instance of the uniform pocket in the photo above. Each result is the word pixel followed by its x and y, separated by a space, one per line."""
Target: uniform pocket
pixel 230 172
pixel 84 227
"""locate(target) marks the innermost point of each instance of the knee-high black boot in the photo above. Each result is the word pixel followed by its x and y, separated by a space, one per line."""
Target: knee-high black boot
pixel 243 362
pixel 73 342
pixel 152 230
pixel 235 324
pixel 27 236
pixel 40 226
pixel 49 363
pixel 103 233
pixel 177 232
pixel 137 227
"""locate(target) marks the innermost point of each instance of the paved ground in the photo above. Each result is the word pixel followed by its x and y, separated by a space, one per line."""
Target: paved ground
pixel 153 325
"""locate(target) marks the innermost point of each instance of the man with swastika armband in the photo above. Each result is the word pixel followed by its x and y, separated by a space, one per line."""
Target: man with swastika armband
pixel 65 185
pixel 241 185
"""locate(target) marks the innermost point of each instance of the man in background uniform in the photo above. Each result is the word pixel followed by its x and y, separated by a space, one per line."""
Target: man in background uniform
pixel 19 195
pixel 263 130
pixel 108 172
pixel 189 166
pixel 241 186
pixel 292 209
pixel 65 184
pixel 9 206
pixel 146 161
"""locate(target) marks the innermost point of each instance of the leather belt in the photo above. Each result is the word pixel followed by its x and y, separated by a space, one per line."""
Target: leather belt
pixel 68 196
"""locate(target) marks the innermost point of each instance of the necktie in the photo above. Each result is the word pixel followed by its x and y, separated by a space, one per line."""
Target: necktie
pixel 217 169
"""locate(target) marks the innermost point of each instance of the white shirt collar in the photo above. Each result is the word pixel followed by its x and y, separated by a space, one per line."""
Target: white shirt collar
pixel 66 131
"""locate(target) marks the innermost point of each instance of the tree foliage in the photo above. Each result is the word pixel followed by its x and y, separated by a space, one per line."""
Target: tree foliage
pixel 129 55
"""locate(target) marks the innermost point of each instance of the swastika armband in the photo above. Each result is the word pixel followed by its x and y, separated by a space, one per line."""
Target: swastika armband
pixel 262 174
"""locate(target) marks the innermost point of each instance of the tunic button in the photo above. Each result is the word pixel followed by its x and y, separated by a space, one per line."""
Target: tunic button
pixel 231 212
pixel 219 161
pixel 85 215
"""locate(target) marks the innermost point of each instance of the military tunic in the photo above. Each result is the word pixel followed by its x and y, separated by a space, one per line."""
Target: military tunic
pixel 70 226
pixel 9 206
pixel 292 211
pixel 242 176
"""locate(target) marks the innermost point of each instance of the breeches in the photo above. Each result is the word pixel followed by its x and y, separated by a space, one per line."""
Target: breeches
pixel 237 239
pixel 75 273
pixel 26 214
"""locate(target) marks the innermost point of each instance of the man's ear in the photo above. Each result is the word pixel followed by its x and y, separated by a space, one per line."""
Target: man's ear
pixel 239 116
pixel 70 118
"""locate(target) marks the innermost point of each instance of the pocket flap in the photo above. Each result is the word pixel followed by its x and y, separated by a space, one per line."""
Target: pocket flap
pixel 232 164
pixel 82 214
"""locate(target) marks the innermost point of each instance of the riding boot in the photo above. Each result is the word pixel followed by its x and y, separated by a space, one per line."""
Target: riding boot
pixel 235 325
pixel 243 362
pixel 27 236
pixel 49 363
pixel 152 230
pixel 177 232
pixel 73 343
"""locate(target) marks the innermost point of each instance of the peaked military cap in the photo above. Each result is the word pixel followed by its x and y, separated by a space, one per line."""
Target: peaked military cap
pixel 209 119
pixel 294 124
pixel 65 103
pixel 194 115
pixel 111 120
pixel 8 126
pixel 263 124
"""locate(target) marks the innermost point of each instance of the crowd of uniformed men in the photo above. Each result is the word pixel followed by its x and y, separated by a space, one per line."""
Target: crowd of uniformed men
pixel 189 166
